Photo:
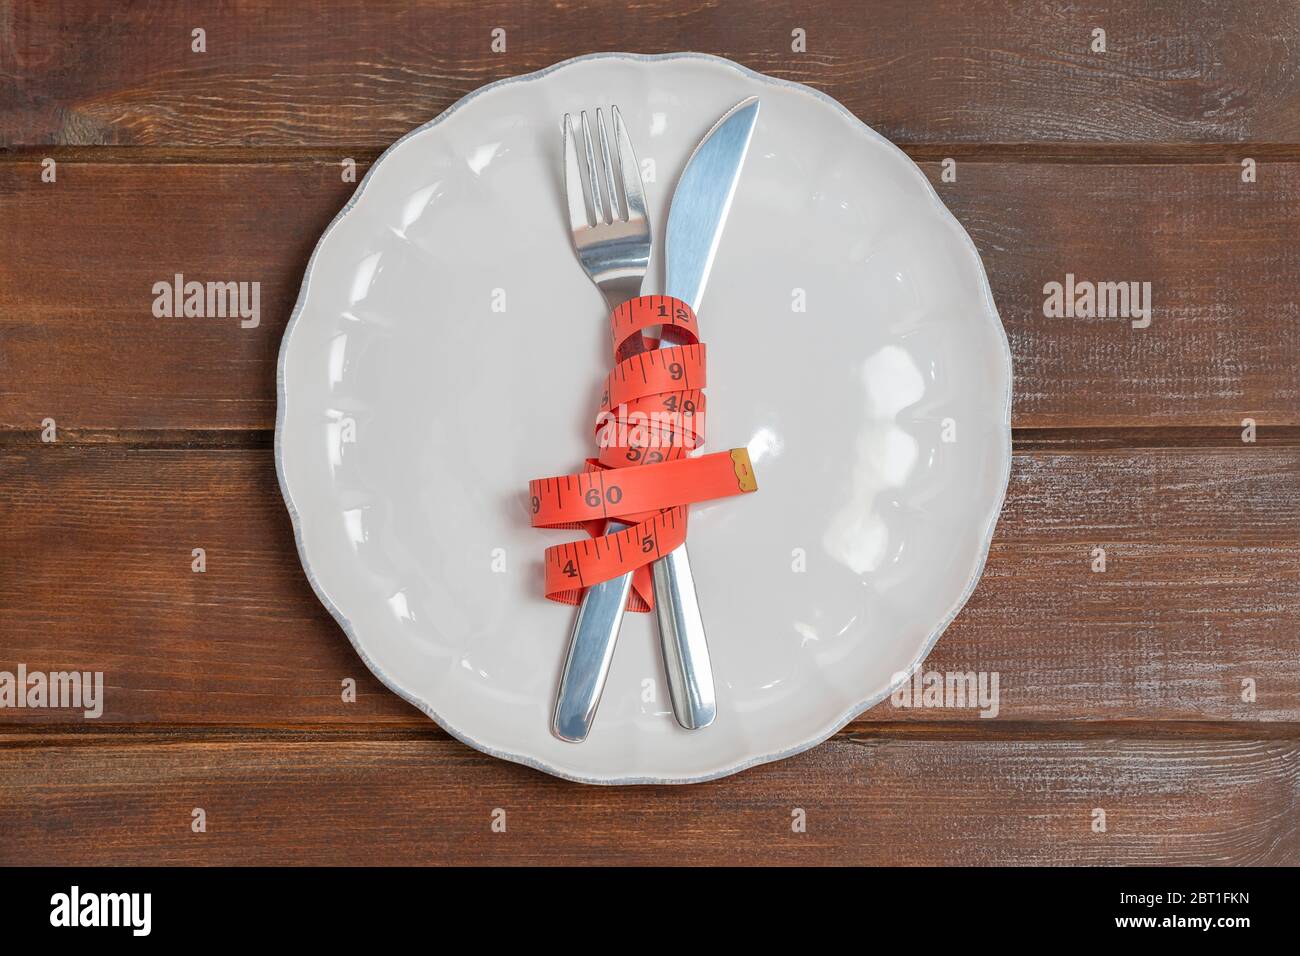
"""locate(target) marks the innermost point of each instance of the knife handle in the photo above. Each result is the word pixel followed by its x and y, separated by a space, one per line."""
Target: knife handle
pixel 682 639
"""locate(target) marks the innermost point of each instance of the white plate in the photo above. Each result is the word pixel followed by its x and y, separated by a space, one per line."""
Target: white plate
pixel 412 415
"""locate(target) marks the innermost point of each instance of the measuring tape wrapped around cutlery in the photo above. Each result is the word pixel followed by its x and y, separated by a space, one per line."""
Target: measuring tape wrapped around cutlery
pixel 651 415
pixel 632 498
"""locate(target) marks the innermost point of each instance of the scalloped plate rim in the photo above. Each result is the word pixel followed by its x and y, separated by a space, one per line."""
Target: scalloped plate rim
pixel 853 711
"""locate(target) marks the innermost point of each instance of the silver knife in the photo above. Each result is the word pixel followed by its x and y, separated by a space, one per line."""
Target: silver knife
pixel 698 214
pixel 699 211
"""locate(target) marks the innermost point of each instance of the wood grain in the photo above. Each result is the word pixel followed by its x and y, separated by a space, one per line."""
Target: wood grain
pixel 1120 690
pixel 361 72
pixel 1201 590
pixel 867 801
pixel 76 304
pixel 79 258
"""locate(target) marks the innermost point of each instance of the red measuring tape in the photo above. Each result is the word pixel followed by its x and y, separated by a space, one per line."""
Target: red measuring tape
pixel 651 415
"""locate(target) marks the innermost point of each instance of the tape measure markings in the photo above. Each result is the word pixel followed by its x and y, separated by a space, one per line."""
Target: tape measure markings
pixel 646 486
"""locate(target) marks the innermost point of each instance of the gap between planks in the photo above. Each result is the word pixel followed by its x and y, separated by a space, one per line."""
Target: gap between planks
pixel 67 735
pixel 1125 154
pixel 1083 438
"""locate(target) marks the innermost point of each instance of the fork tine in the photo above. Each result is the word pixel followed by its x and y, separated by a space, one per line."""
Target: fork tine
pixel 578 218
pixel 597 206
pixel 633 190
pixel 610 188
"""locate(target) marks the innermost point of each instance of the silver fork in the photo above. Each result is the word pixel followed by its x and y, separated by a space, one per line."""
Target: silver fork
pixel 613 244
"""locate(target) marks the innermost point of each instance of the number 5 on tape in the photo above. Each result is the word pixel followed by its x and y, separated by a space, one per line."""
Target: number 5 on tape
pixel 653 498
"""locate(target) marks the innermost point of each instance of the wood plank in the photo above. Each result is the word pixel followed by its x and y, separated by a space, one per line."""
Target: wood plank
pixel 281 73
pixel 81 345
pixel 80 342
pixel 1201 590
pixel 866 800
pixel 1224 339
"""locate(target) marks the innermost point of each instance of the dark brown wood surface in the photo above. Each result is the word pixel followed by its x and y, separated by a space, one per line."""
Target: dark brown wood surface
pixel 1201 590
pixel 896 801
pixel 84 348
pixel 1124 691
pixel 363 72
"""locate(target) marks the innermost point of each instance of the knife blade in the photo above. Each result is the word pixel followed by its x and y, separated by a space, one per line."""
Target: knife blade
pixel 699 208
pixel 702 201
pixel 696 219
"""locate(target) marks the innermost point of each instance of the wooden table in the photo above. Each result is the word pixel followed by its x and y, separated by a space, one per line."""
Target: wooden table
pixel 1164 690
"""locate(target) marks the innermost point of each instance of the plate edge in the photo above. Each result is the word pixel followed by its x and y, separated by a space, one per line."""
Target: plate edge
pixel 345 624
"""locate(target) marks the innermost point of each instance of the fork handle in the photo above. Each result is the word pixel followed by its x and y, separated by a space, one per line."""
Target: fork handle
pixel 681 638
pixel 591 648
